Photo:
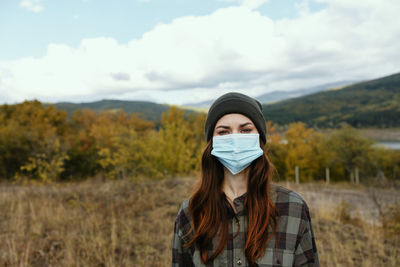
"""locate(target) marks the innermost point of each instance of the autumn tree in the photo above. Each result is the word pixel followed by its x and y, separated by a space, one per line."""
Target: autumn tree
pixel 197 144
pixel 118 139
pixel 14 145
pixel 33 140
pixel 302 151
pixel 176 153
pixel 383 163
pixel 276 150
pixel 350 149
pixel 83 156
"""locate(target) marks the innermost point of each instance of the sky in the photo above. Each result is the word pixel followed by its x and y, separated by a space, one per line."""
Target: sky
pixel 185 51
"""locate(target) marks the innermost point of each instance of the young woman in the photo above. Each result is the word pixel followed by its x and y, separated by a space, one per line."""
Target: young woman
pixel 236 217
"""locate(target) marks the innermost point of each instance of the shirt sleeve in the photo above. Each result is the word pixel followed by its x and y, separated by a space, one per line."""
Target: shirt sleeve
pixel 306 250
pixel 181 256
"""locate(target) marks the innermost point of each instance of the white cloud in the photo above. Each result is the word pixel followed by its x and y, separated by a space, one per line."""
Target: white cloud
pixel 32 5
pixel 233 49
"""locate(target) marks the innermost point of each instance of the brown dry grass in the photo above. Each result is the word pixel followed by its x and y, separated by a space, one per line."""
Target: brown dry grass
pixel 124 223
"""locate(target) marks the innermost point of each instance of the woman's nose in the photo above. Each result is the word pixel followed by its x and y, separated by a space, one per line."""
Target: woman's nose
pixel 235 131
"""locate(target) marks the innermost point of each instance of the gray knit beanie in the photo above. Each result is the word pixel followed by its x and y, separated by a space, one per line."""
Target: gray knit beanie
pixel 235 103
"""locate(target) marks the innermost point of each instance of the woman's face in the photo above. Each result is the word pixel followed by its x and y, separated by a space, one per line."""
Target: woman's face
pixel 234 124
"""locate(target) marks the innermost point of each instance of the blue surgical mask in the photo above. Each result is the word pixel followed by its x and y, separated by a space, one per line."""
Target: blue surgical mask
pixel 236 151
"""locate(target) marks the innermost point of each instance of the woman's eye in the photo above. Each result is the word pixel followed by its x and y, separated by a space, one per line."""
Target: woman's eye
pixel 246 130
pixel 223 132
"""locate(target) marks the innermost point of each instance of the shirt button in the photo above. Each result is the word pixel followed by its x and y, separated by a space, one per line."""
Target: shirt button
pixel 239 262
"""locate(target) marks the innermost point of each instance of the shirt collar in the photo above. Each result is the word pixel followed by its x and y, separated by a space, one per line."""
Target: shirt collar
pixel 240 201
pixel 239 206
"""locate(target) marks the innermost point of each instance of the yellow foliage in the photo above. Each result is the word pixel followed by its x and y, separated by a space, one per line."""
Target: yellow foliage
pixel 37 141
pixel 302 151
pixel 176 147
pixel 46 167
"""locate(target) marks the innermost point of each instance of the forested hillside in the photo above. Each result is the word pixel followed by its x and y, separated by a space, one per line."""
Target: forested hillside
pixel 147 110
pixel 373 103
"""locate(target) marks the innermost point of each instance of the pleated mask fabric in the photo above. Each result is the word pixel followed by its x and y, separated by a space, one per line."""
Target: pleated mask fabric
pixel 236 151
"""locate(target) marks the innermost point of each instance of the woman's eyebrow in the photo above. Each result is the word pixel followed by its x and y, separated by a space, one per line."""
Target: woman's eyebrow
pixel 222 126
pixel 245 124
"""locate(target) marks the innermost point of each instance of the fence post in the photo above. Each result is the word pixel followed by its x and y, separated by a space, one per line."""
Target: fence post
pixel 357 178
pixel 327 175
pixel 297 174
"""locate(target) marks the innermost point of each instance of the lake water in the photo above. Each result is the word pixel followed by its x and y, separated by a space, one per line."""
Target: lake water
pixel 390 144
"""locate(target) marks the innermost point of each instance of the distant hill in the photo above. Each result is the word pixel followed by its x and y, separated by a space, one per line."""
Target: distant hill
pixel 205 105
pixel 148 110
pixel 374 103
pixel 276 96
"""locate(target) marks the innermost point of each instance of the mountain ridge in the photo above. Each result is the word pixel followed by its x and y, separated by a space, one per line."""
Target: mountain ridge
pixel 373 103
pixel 146 109
pixel 369 103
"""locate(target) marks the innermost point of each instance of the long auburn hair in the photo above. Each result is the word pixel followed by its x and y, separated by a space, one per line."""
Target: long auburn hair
pixel 208 209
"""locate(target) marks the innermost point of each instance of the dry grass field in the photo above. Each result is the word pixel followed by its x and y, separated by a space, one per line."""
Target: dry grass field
pixel 123 223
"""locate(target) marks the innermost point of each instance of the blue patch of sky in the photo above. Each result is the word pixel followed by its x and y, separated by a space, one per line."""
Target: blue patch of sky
pixel 24 33
pixel 279 9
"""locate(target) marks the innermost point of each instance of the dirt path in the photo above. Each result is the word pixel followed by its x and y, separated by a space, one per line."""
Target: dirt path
pixel 365 202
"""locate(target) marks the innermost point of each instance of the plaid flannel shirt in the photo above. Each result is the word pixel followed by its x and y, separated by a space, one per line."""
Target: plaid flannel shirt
pixel 292 245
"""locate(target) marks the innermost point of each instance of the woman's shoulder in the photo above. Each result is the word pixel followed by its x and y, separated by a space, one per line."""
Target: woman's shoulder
pixel 184 210
pixel 183 220
pixel 282 196
pixel 292 209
